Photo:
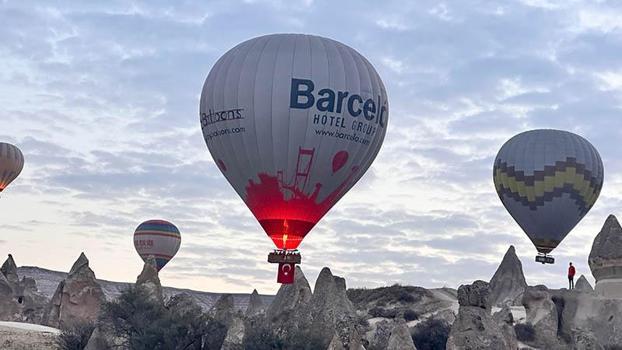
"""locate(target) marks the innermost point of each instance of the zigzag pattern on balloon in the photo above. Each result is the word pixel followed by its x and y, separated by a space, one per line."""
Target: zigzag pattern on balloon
pixel 544 185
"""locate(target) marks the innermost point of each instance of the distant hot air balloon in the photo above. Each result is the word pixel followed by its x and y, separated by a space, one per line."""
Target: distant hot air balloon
pixel 11 164
pixel 548 180
pixel 157 238
pixel 293 122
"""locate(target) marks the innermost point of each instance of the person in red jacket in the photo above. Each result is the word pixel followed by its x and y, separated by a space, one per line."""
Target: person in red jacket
pixel 571 272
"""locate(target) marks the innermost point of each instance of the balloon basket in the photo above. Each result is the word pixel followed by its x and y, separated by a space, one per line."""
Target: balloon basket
pixel 545 259
pixel 287 260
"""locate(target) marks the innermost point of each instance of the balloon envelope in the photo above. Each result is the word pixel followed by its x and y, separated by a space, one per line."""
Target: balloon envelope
pixel 157 238
pixel 548 180
pixel 293 122
pixel 11 164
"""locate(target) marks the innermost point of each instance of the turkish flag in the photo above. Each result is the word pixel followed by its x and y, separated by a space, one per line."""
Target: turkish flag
pixel 286 273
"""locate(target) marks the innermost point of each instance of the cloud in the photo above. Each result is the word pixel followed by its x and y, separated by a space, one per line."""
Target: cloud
pixel 103 98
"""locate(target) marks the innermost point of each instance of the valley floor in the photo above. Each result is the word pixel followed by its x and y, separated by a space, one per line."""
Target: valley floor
pixel 26 336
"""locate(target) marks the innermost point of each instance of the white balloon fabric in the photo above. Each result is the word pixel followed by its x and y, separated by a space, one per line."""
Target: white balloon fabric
pixel 11 164
pixel 293 121
pixel 157 238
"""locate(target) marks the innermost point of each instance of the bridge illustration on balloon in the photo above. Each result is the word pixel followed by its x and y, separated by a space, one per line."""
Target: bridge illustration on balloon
pixel 287 209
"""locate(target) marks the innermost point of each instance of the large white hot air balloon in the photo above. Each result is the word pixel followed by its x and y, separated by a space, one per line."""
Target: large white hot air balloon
pixel 293 122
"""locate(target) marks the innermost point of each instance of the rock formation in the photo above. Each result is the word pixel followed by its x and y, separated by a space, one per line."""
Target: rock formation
pixel 255 304
pixel 223 311
pixel 286 308
pixel 381 334
pixel 582 285
pixel 508 283
pixel 606 259
pixel 103 338
pixel 400 338
pixel 149 281
pixel 77 299
pixel 542 314
pixel 9 270
pixel 474 328
pixel 335 343
pixel 505 320
pixel 330 310
pixel 234 340
pixel 585 340
pixel 19 299
pixel 9 309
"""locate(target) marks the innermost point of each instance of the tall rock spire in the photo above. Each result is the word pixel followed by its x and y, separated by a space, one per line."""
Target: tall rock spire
pixel 508 283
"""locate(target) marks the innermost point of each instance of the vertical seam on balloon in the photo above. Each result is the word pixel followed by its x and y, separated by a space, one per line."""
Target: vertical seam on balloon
pixel 256 70
pixel 308 112
pixel 376 144
pixel 360 67
pixel 587 150
pixel 328 77
pixel 358 63
pixel 530 214
pixel 243 161
pixel 273 168
pixel 289 120
pixel 211 100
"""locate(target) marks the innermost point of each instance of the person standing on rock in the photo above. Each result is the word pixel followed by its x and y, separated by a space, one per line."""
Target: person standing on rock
pixel 571 272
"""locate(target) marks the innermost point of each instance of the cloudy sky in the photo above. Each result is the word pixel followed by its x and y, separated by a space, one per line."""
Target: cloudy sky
pixel 102 98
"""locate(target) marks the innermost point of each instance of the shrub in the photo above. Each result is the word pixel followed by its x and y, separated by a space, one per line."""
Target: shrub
pixel 525 332
pixel 406 297
pixel 384 295
pixel 214 335
pixel 75 337
pixel 431 334
pixel 382 312
pixel 410 315
pixel 260 337
pixel 144 323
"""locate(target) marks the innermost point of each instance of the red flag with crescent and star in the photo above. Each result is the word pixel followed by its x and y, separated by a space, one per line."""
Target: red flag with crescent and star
pixel 286 273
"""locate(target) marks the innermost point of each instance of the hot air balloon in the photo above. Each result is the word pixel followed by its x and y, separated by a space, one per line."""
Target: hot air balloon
pixel 548 180
pixel 11 164
pixel 293 121
pixel 157 238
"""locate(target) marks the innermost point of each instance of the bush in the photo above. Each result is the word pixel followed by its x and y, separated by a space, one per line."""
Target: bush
pixel 525 332
pixel 261 338
pixel 382 312
pixel 410 315
pixel 146 324
pixel 431 334
pixel 406 297
pixel 75 337
pixel 214 335
pixel 384 295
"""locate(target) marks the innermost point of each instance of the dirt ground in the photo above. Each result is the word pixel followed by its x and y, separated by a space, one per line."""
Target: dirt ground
pixel 12 338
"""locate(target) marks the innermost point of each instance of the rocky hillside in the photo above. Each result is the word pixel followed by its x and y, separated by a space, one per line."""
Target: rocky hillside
pixel 48 280
pixel 505 313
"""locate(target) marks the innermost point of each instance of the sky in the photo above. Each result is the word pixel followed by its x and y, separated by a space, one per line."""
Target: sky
pixel 102 98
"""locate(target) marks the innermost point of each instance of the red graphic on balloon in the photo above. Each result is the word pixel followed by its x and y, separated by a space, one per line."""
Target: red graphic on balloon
pixel 221 165
pixel 339 160
pixel 286 211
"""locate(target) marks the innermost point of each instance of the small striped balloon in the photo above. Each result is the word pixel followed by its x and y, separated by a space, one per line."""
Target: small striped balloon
pixel 157 238
pixel 11 164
